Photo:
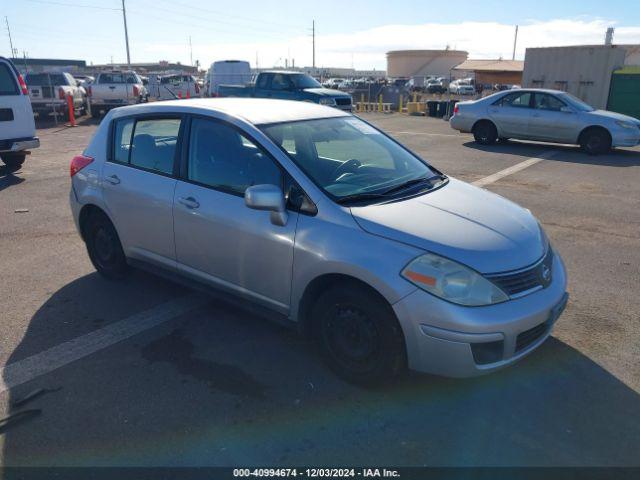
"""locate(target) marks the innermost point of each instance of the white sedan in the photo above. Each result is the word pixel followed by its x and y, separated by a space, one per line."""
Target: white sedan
pixel 545 115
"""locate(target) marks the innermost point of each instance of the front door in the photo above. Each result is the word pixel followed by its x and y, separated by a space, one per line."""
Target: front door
pixel 550 122
pixel 138 184
pixel 218 238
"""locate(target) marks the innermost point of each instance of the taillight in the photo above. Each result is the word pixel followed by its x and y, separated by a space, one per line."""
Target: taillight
pixel 89 90
pixel 78 163
pixel 23 86
pixel 455 109
pixel 136 91
pixel 61 93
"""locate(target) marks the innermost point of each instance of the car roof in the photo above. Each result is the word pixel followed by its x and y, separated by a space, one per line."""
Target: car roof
pixel 257 111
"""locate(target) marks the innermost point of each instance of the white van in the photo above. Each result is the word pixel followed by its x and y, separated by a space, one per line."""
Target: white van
pixel 227 72
pixel 17 127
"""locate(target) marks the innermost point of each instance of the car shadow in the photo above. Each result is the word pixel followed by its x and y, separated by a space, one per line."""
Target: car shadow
pixel 220 386
pixel 564 153
pixel 8 177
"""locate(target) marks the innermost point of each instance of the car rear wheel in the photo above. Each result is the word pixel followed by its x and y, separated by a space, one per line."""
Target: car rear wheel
pixel 595 141
pixel 358 335
pixel 104 247
pixel 485 132
pixel 13 161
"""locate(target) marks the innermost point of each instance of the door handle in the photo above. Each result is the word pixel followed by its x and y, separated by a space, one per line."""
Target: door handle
pixel 189 202
pixel 113 179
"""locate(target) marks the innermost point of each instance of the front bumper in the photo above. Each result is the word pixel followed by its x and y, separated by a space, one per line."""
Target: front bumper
pixel 19 144
pixel 625 137
pixel 456 341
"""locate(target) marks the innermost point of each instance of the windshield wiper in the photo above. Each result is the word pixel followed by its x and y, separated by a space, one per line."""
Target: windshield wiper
pixel 412 182
pixel 360 197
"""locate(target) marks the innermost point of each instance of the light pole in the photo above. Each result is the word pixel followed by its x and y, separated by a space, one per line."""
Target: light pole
pixel 126 34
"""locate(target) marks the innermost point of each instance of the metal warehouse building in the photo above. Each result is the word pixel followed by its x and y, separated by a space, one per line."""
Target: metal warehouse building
pixel 584 71
pixel 422 63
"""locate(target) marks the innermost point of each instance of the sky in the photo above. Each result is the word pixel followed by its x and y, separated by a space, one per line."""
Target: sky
pixel 348 33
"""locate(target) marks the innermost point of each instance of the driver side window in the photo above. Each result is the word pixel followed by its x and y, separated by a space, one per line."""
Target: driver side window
pixel 280 82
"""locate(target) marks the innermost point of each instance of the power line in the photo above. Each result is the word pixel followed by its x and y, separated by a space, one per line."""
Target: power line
pixel 6 19
pixel 79 5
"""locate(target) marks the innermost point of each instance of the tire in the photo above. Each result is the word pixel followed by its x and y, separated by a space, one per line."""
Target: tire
pixel 14 161
pixel 358 335
pixel 595 141
pixel 485 132
pixel 104 247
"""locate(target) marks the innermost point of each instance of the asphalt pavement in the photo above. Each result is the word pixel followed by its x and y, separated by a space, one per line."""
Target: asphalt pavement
pixel 213 384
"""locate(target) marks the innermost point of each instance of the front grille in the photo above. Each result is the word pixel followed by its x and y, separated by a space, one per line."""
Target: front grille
pixel 526 279
pixel 343 101
pixel 528 337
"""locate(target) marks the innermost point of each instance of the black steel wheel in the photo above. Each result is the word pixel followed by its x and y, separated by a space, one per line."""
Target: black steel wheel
pixel 104 247
pixel 485 132
pixel 358 335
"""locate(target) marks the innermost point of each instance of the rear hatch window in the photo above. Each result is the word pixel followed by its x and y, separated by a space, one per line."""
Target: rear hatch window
pixel 8 84
pixel 117 78
pixel 45 79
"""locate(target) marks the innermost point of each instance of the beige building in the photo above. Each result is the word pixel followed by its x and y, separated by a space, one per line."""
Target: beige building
pixel 422 63
pixel 491 72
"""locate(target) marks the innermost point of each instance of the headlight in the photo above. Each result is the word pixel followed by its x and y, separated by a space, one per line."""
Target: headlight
pixel 623 124
pixel 327 101
pixel 452 281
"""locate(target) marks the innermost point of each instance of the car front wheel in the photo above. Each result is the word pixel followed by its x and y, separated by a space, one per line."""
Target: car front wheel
pixel 595 141
pixel 358 335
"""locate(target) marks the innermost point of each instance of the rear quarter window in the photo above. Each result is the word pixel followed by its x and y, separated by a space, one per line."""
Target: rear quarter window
pixel 8 84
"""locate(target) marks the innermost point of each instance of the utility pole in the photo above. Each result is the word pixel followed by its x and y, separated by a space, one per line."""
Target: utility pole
pixel 6 19
pixel 190 51
pixel 126 34
pixel 515 41
pixel 313 34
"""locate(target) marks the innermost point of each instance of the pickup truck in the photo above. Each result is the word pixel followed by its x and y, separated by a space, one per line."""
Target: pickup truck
pixel 288 86
pixel 115 89
pixel 48 93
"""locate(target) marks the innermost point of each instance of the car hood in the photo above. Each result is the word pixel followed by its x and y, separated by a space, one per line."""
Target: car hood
pixel 326 92
pixel 614 116
pixel 464 223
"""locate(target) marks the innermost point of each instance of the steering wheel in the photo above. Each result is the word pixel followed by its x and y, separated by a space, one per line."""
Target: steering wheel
pixel 348 166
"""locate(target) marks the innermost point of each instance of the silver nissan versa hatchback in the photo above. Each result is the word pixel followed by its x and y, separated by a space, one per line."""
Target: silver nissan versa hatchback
pixel 326 222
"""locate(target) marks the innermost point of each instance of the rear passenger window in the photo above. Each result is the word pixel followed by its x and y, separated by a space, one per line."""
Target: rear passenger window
pixel 149 144
pixel 154 144
pixel 518 100
pixel 8 85
pixel 123 131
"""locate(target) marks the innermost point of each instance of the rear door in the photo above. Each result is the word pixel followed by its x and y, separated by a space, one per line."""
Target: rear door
pixel 512 113
pixel 138 182
pixel 16 116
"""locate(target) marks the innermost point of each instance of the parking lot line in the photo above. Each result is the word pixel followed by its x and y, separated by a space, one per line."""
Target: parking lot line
pixel 426 133
pixel 514 168
pixel 46 361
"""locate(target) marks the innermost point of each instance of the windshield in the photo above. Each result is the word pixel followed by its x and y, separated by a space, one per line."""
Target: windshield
pixel 347 157
pixel 304 81
pixel 577 103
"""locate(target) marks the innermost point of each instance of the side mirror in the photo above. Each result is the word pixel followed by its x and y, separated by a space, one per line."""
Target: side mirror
pixel 269 198
pixel 566 109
